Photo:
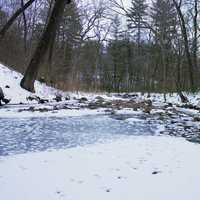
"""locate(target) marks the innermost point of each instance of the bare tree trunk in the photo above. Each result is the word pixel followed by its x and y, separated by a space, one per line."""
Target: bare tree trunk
pixel 14 17
pixel 186 44
pixel 164 63
pixel 178 67
pixel 33 67
pixel 25 27
pixel 195 25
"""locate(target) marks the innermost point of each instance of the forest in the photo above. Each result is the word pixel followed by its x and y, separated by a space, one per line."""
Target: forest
pixel 99 99
pixel 105 45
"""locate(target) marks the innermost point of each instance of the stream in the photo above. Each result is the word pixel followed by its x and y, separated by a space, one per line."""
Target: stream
pixel 41 134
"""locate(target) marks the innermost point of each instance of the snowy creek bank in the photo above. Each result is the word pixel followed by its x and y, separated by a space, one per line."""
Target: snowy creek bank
pixel 29 128
pixel 51 118
pixel 88 146
pixel 46 132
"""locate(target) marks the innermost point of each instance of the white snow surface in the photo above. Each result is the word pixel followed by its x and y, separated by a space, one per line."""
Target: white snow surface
pixel 123 169
pixel 11 78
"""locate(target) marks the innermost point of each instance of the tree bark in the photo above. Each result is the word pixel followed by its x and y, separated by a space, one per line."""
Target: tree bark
pixel 43 45
pixel 195 27
pixel 25 27
pixel 186 44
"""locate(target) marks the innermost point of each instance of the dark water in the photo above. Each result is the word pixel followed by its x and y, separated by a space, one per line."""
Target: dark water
pixel 40 134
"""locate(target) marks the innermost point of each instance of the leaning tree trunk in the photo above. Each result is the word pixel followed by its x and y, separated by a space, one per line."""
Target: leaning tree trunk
pixel 14 17
pixel 43 45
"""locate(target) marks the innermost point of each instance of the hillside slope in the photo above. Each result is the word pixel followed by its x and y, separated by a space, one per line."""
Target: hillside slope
pixel 10 83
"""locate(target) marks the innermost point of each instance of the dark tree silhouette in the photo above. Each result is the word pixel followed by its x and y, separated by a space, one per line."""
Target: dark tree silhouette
pixel 14 17
pixel 43 45
pixel 186 44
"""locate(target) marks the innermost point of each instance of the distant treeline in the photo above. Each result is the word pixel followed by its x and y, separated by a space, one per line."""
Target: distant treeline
pixel 146 47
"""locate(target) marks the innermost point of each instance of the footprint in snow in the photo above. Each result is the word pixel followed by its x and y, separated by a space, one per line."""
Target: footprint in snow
pixel 72 180
pixel 76 181
pixel 106 189
pixel 114 169
pixel 97 175
pixel 121 177
pixel 80 182
pixel 156 172
pixel 60 193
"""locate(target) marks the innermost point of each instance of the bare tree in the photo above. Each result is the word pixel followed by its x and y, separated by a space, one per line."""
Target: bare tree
pixel 47 36
pixel 195 29
pixel 14 17
pixel 178 6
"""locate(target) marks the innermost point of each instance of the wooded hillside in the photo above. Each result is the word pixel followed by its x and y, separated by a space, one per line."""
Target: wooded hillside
pixel 105 45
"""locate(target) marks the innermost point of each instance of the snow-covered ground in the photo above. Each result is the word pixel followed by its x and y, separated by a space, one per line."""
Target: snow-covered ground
pixel 126 167
pixel 11 78
pixel 142 168
pixel 20 102
pixel 10 83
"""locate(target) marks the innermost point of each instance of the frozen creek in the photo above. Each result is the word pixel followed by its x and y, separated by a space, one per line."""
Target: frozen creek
pixel 40 134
